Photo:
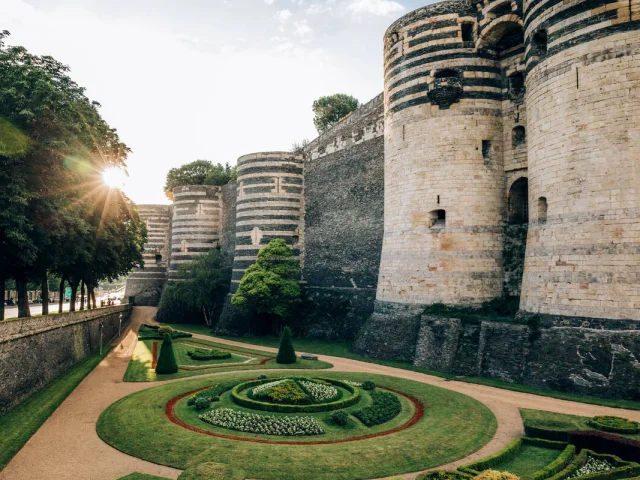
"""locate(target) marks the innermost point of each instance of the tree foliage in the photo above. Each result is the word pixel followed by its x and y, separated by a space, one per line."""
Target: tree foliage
pixel 56 214
pixel 270 288
pixel 286 353
pixel 331 109
pixel 167 359
pixel 200 290
pixel 200 172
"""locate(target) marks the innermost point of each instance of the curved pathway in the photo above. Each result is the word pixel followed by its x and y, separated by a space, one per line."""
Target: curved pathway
pixel 67 446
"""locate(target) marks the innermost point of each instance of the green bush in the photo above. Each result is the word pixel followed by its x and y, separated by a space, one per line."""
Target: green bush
pixel 557 465
pixel 615 425
pixel 206 354
pixel 167 360
pixel 507 453
pixel 339 418
pixel 150 332
pixel 165 329
pixel 286 353
pixel 202 403
pixel 212 471
pixel 261 377
pixel 344 402
pixel 368 385
pixel 622 469
pixel 443 475
pixel 386 406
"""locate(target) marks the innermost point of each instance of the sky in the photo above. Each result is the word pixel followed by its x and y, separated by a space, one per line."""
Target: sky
pixel 208 79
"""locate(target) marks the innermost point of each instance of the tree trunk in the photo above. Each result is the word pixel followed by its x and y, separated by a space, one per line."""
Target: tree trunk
pixel 3 286
pixel 82 295
pixel 23 299
pixel 45 294
pixel 89 297
pixel 61 293
pixel 93 297
pixel 74 295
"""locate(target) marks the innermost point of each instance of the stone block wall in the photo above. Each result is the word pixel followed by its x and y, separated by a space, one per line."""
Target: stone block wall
pixel 34 351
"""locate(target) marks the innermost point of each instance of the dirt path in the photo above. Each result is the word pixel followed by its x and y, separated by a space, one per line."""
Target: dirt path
pixel 67 446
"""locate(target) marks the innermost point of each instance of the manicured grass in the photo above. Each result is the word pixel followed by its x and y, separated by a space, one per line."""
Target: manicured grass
pixel 342 349
pixel 529 459
pixel 142 476
pixel 22 422
pixel 559 421
pixel 139 368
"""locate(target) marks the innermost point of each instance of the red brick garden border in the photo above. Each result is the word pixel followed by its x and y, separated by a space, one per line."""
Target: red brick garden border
pixel 154 362
pixel 170 407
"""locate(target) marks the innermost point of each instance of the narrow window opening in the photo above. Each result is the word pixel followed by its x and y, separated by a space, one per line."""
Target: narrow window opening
pixel 446 73
pixel 158 259
pixel 518 202
pixel 540 43
pixel 486 149
pixel 438 218
pixel 542 210
pixel 516 84
pixel 438 199
pixel 467 32
pixel 518 136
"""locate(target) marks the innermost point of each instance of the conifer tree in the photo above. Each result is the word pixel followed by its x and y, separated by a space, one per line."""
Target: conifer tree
pixel 286 353
pixel 167 359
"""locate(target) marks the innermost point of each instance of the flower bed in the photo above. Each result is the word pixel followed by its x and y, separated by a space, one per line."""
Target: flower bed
pixel 615 425
pixel 443 475
pixel 386 406
pixel 286 392
pixel 319 392
pixel 586 464
pixel 592 465
pixel 262 424
pixel 206 354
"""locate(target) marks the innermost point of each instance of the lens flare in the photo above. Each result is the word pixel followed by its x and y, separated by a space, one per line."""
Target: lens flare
pixel 114 177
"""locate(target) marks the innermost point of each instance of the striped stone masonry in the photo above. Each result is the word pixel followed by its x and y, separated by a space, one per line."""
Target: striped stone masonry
pixel 269 205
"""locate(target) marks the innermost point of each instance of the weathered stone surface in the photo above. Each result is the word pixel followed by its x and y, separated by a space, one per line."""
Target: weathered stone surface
pixel 437 343
pixel 502 351
pixel 34 351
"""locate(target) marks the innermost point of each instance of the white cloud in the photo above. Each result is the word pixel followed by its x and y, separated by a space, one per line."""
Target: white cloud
pixel 269 2
pixel 283 15
pixel 375 7
pixel 302 28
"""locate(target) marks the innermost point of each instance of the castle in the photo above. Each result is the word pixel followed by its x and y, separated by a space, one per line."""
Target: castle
pixel 502 159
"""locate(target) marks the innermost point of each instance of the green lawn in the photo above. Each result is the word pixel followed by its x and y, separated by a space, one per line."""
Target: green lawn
pixel 142 476
pixel 559 421
pixel 529 459
pixel 453 426
pixel 343 349
pixel 21 423
pixel 139 368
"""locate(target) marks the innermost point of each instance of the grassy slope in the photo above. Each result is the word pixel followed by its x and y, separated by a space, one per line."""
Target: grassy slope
pixel 530 459
pixel 559 421
pixel 342 349
pixel 453 426
pixel 139 368
pixel 21 423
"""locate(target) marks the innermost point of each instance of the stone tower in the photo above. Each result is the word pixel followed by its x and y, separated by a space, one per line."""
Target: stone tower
pixel 195 224
pixel 583 104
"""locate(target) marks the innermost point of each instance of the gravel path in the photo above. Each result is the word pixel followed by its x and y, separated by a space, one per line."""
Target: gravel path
pixel 67 446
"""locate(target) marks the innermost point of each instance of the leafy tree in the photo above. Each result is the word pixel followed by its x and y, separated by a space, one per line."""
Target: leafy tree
pixel 167 359
pixel 298 147
pixel 202 287
pixel 331 109
pixel 270 287
pixel 286 353
pixel 200 172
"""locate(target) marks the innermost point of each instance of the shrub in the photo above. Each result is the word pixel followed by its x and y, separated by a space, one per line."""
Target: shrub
pixel 601 442
pixel 615 425
pixel 546 433
pixel 339 418
pixel 286 353
pixel 386 406
pixel 557 465
pixel 167 360
pixel 263 424
pixel 202 403
pixel 495 475
pixel 507 453
pixel 165 329
pixel 620 469
pixel 368 385
pixel 206 354
pixel 150 332
pixel 262 377
pixel 212 471
pixel 443 475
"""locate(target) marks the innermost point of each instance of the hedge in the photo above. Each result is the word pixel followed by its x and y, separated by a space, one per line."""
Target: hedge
pixel 313 408
pixel 622 447
pixel 512 450
pixel 546 433
pixel 443 475
pixel 615 425
pixel 205 354
pixel 559 464
pixel 623 469
pixel 150 332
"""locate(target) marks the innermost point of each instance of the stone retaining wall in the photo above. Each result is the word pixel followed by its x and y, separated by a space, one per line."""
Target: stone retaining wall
pixel 36 350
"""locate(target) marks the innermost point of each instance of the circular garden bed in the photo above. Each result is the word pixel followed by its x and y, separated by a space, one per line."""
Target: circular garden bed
pixel 334 425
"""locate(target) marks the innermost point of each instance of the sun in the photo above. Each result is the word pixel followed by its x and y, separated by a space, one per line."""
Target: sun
pixel 114 177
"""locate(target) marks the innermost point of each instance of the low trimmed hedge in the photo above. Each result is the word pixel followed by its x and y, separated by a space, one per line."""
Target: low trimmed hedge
pixel 615 425
pixel 206 354
pixel 150 332
pixel 443 475
pixel 554 434
pixel 559 464
pixel 277 408
pixel 598 441
pixel 511 451
pixel 623 469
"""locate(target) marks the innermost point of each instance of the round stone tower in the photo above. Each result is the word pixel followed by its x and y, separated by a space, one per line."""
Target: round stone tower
pixel 583 99
pixel 269 206
pixel 195 224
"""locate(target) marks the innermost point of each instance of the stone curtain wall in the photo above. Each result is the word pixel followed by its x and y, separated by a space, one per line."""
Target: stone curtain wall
pixel 575 356
pixel 36 350
pixel 583 98
pixel 228 220
pixel 344 211
pixel 146 284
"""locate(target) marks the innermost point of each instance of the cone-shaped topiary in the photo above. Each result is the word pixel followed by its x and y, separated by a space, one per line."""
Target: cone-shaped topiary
pixel 286 353
pixel 167 360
